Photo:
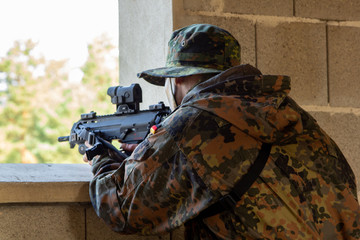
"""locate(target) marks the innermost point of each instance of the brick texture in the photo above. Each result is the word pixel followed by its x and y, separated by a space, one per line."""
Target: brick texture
pixel 344 129
pixel 97 229
pixel 328 9
pixel 178 234
pixel 298 50
pixel 242 29
pixel 344 68
pixel 56 222
pixel 260 7
pixel 201 5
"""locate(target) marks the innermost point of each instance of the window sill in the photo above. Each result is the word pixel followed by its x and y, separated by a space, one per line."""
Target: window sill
pixel 44 183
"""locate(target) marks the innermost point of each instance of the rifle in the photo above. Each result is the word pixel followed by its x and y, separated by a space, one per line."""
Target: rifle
pixel 128 124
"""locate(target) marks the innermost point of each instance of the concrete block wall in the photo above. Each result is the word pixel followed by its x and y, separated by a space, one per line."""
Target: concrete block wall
pixel 315 42
pixel 60 221
pixel 51 201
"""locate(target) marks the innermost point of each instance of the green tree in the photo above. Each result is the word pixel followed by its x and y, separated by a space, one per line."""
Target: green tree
pixel 41 104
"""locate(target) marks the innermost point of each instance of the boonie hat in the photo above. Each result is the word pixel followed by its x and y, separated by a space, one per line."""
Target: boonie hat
pixel 196 49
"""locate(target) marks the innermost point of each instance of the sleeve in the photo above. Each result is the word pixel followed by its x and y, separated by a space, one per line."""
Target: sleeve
pixel 153 191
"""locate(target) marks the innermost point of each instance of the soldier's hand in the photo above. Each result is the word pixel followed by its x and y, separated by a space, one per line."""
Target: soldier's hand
pixel 85 159
pixel 127 147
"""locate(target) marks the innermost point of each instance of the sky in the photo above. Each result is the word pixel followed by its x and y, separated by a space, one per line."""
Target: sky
pixel 62 28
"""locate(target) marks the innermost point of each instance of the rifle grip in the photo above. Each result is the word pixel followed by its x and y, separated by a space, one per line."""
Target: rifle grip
pixel 97 149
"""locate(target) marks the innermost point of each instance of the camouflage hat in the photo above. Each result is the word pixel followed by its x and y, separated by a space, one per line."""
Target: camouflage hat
pixel 196 49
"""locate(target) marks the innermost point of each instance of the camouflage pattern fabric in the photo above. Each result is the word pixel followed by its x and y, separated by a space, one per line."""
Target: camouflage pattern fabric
pixel 196 49
pixel 306 191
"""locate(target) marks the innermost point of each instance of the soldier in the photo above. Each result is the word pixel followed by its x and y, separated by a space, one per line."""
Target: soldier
pixel 236 159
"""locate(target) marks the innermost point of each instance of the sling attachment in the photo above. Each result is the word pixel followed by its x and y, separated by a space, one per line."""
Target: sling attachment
pixel 228 201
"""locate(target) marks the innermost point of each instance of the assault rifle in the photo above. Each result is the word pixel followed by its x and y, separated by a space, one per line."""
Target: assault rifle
pixel 128 124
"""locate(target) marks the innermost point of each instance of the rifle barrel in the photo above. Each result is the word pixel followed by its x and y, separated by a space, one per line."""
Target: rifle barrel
pixel 64 139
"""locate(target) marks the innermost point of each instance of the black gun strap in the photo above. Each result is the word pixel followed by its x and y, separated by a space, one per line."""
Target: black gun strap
pixel 228 202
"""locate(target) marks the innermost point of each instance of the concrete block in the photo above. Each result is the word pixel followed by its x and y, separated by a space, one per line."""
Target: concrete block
pixel 44 183
pixel 344 62
pixel 329 10
pixel 260 7
pixel 178 234
pixel 242 29
pixel 201 5
pixel 343 128
pixel 56 222
pixel 97 229
pixel 296 49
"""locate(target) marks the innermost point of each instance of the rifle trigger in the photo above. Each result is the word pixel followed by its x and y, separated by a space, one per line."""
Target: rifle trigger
pixel 91 138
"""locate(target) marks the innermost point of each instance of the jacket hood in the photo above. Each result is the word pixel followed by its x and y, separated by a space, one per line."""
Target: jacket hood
pixel 255 103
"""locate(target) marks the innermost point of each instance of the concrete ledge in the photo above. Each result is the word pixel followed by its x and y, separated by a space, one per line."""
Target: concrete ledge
pixel 46 183
pixel 53 200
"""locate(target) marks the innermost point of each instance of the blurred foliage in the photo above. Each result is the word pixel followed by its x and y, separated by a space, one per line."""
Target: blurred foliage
pixel 39 102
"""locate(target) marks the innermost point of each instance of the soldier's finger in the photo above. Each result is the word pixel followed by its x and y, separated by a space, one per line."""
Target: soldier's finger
pixel 87 144
pixel 128 147
pixel 85 159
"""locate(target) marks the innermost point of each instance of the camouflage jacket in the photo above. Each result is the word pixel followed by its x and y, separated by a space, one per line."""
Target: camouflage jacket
pixel 306 191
